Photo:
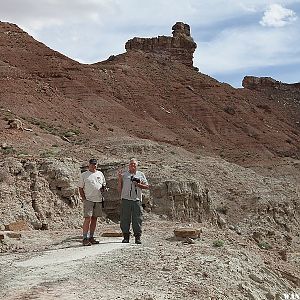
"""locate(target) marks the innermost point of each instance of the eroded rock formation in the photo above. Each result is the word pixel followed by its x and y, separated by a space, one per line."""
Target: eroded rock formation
pixel 253 83
pixel 180 47
pixel 42 194
pixel 183 201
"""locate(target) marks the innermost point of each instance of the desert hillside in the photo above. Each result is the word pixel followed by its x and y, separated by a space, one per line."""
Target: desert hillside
pixel 144 94
pixel 223 159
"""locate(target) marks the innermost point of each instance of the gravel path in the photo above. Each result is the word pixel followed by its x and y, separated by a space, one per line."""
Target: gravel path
pixel 162 268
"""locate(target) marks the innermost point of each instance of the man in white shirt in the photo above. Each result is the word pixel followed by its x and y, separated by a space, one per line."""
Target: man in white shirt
pixel 91 185
pixel 130 186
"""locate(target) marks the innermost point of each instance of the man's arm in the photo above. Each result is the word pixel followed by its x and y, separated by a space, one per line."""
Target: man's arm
pixel 120 181
pixel 142 185
pixel 82 194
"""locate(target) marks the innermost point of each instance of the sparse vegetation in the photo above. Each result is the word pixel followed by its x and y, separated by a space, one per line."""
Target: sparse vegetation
pixel 48 153
pixel 264 245
pixel 22 153
pixel 71 132
pixel 218 243
pixel 43 125
pixel 222 209
pixel 8 150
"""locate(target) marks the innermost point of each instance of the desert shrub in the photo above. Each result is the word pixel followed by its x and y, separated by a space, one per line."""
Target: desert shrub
pixel 47 153
pixel 264 245
pixel 43 125
pixel 222 209
pixel 22 153
pixel 71 132
pixel 218 243
pixel 229 110
pixel 8 150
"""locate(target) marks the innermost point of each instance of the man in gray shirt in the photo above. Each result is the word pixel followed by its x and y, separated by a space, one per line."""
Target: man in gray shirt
pixel 130 185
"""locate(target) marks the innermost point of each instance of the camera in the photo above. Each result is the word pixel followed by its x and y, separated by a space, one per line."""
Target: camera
pixel 134 179
pixel 104 188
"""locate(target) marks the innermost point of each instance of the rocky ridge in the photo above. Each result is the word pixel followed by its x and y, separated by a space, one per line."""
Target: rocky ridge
pixel 180 47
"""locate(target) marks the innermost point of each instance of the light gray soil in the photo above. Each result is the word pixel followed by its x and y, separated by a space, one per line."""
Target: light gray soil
pixel 53 265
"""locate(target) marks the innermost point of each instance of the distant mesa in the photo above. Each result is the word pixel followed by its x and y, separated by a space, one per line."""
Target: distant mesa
pixel 252 82
pixel 257 83
pixel 180 47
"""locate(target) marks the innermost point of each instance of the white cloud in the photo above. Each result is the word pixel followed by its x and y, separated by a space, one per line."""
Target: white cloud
pixel 37 15
pixel 278 16
pixel 240 49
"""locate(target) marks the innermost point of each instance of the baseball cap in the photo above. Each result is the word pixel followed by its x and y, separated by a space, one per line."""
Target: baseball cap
pixel 93 161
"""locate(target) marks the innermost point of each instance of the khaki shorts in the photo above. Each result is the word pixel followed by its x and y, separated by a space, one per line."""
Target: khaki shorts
pixel 92 209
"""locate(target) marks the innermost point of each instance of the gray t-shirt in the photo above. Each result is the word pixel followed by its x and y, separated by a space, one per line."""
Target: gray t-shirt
pixel 129 190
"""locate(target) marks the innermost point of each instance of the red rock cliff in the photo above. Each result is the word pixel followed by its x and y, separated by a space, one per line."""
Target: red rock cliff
pixel 180 47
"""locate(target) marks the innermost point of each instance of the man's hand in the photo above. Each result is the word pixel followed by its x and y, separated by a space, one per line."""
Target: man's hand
pixel 142 185
pixel 120 173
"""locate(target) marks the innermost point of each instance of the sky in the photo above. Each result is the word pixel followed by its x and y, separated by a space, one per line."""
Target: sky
pixel 235 38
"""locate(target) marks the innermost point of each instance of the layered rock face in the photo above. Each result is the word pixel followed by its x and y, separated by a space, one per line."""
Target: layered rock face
pixel 180 47
pixel 183 201
pixel 286 94
pixel 42 194
pixel 253 83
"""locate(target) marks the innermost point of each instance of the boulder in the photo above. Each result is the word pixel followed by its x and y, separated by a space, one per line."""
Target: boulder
pixel 112 233
pixel 17 226
pixel 186 232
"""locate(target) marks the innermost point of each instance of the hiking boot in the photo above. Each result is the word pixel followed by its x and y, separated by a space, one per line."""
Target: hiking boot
pixel 138 239
pixel 86 242
pixel 126 238
pixel 93 241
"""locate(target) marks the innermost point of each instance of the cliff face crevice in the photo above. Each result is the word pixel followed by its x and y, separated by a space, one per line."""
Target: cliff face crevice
pixel 180 47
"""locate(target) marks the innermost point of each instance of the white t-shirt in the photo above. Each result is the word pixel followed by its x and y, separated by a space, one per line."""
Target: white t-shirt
pixel 91 184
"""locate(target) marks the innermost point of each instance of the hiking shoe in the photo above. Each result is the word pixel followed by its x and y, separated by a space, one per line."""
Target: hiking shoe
pixel 86 242
pixel 93 241
pixel 138 240
pixel 126 237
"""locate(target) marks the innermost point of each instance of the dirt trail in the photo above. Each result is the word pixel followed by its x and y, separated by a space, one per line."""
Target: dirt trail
pixel 54 265
pixel 43 275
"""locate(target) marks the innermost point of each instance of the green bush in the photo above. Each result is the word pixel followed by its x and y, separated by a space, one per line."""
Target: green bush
pixel 8 150
pixel 218 243
pixel 264 245
pixel 47 153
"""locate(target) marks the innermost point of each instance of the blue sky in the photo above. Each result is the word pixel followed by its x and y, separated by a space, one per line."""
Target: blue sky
pixel 234 38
